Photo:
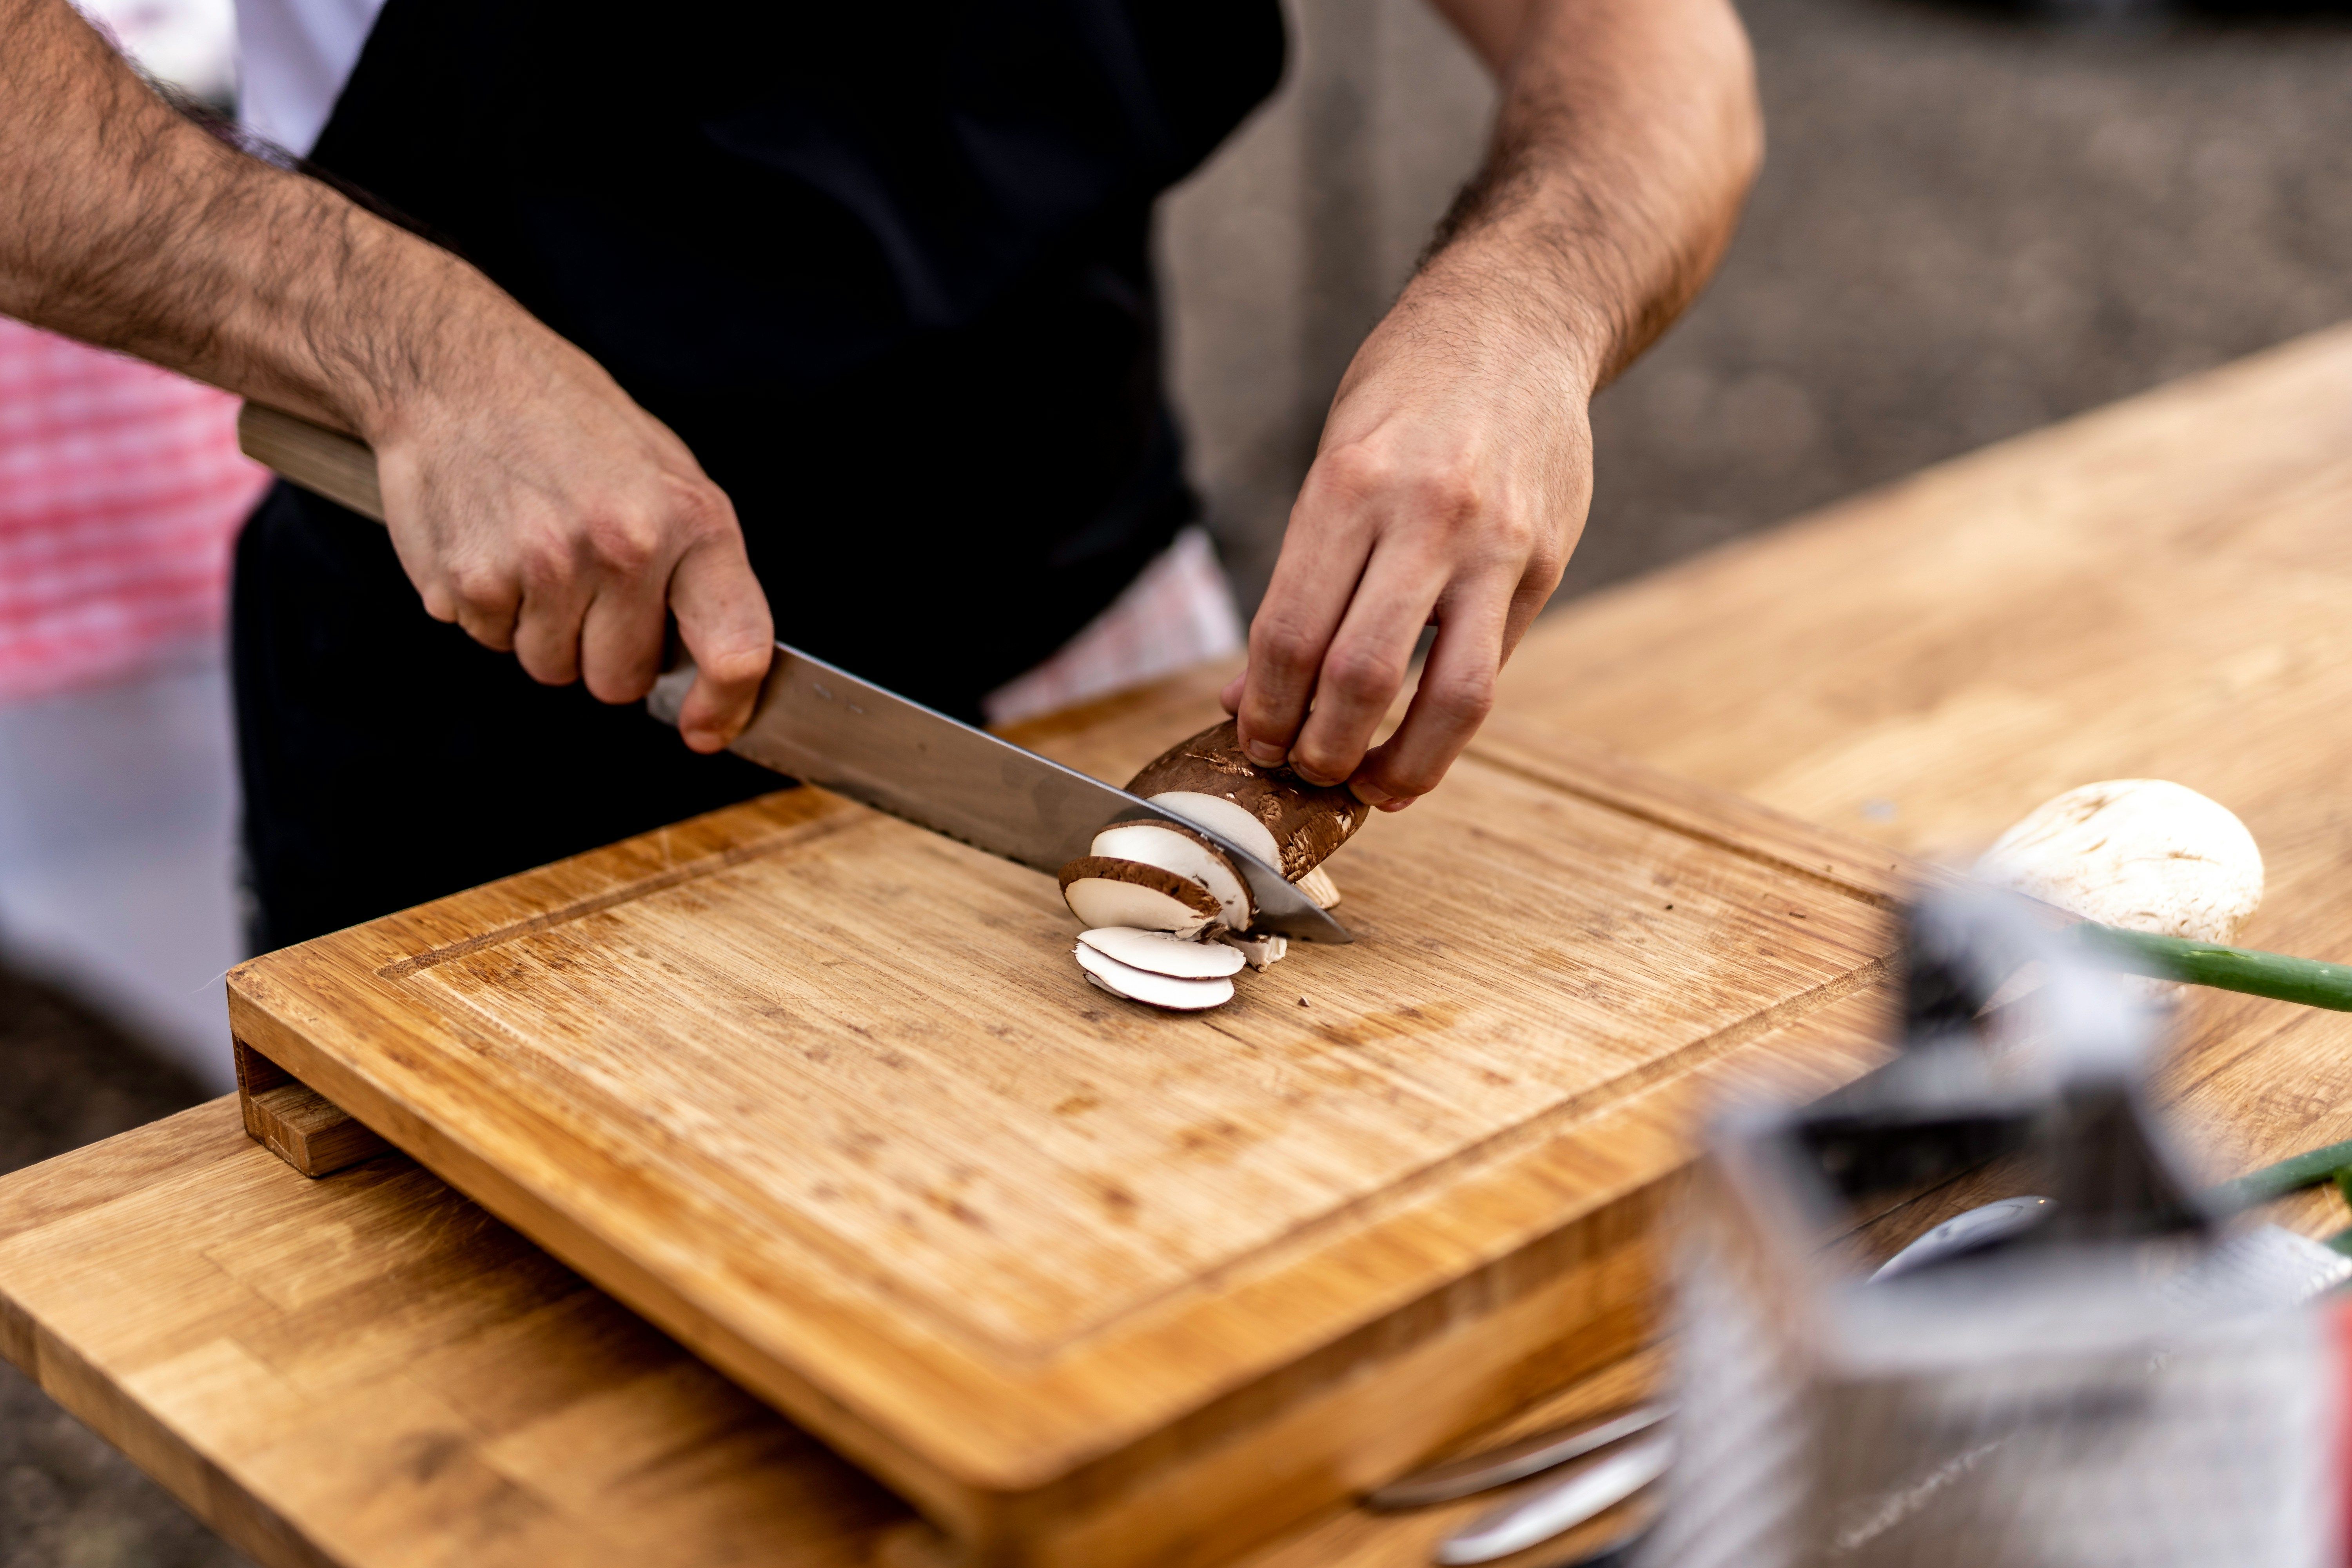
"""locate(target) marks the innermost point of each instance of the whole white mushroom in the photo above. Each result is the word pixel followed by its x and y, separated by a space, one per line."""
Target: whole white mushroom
pixel 2143 854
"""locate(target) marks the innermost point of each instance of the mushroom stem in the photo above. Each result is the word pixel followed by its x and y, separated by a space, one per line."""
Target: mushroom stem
pixel 2274 974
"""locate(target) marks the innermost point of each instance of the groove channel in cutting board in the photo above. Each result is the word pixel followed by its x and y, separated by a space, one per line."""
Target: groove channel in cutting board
pixel 926 1090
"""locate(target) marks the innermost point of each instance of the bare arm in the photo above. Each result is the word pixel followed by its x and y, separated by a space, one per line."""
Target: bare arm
pixel 530 499
pixel 1455 465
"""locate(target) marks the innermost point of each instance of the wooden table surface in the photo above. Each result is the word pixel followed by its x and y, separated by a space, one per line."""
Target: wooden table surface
pixel 368 1370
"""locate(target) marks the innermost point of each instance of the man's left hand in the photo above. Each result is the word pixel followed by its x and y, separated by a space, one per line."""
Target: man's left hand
pixel 1451 486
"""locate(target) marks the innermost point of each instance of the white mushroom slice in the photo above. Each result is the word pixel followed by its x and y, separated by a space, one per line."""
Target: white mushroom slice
pixel 1162 954
pixel 1261 952
pixel 1225 818
pixel 1158 990
pixel 1181 850
pixel 1318 886
pixel 2143 854
pixel 1106 892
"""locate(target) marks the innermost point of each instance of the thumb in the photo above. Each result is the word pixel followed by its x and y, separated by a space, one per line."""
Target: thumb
pixel 723 620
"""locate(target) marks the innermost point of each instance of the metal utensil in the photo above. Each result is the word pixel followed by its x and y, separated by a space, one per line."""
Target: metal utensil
pixel 1540 1451
pixel 1518 1460
pixel 1981 1226
pixel 1523 1521
pixel 824 726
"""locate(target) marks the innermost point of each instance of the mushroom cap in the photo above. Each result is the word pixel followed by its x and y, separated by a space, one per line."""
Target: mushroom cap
pixel 1305 822
pixel 1190 856
pixel 1102 891
pixel 2143 854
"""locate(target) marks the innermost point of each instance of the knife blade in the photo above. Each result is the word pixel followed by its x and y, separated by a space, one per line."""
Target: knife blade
pixel 824 726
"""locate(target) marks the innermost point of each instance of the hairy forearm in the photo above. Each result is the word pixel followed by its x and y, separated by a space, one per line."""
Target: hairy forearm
pixel 133 228
pixel 1626 139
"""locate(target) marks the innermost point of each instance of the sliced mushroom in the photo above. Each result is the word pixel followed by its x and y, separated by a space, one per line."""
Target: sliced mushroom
pixel 1302 822
pixel 1318 886
pixel 1190 856
pixel 1158 990
pixel 1102 891
pixel 1219 815
pixel 1162 954
pixel 1261 952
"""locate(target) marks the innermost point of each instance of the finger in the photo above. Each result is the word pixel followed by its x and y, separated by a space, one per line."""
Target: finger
pixel 1323 555
pixel 620 639
pixel 1369 659
pixel 546 623
pixel 722 618
pixel 1230 699
pixel 488 606
pixel 1455 694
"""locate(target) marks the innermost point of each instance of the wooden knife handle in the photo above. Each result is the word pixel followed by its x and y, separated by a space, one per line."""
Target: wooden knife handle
pixel 325 461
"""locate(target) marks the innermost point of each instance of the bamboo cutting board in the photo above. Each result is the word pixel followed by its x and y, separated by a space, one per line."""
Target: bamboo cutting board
pixel 823 1096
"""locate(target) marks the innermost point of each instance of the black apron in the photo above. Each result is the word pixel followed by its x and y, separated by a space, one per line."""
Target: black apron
pixel 884 268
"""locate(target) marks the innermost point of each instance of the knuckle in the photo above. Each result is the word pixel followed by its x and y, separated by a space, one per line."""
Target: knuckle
pixel 542 558
pixel 736 664
pixel 619 686
pixel 1355 471
pixel 1283 648
pixel 478 588
pixel 1465 696
pixel 1364 675
pixel 625 544
pixel 1411 778
pixel 548 667
pixel 698 507
pixel 1546 560
pixel 1450 497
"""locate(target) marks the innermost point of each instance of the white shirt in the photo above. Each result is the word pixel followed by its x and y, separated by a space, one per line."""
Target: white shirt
pixel 293 58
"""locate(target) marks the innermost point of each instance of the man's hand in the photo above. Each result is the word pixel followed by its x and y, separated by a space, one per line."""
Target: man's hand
pixel 537 507
pixel 1451 486
pixel 1455 466
pixel 530 500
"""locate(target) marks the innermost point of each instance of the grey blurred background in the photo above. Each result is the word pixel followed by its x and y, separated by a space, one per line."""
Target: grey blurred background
pixel 1972 222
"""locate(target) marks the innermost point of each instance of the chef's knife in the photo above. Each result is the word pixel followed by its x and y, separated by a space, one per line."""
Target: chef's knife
pixel 824 726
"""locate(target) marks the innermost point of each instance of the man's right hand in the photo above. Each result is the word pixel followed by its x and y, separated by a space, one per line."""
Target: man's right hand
pixel 535 505
pixel 530 500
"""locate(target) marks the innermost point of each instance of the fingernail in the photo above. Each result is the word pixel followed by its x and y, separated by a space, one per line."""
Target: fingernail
pixel 1398 803
pixel 1368 793
pixel 1265 753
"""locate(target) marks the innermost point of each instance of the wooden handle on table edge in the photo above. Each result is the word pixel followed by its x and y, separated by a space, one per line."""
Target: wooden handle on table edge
pixel 325 461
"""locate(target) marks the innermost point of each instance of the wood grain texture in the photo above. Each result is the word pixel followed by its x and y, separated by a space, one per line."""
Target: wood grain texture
pixel 371 1371
pixel 2157 589
pixel 818 1091
pixel 296 1123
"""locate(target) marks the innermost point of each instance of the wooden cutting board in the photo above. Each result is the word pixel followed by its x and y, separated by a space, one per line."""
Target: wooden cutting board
pixel 823 1096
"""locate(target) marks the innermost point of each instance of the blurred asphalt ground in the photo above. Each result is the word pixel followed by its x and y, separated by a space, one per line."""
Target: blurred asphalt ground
pixel 1975 220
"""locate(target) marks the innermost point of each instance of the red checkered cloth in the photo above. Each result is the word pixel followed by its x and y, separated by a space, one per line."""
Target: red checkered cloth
pixel 120 490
